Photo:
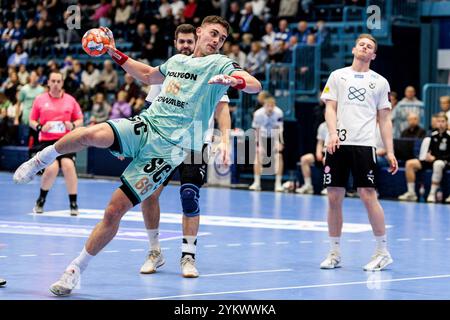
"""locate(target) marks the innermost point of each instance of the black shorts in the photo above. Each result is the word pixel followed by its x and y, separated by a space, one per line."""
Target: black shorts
pixel 44 144
pixel 359 160
pixel 193 170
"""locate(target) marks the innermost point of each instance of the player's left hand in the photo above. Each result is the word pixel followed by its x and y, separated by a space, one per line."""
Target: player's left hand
pixel 393 165
pixel 223 80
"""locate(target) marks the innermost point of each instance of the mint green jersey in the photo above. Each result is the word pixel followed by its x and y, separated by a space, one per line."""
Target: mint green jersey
pixel 181 112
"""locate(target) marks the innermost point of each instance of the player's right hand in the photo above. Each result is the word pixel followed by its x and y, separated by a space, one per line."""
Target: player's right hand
pixel 333 143
pixel 110 35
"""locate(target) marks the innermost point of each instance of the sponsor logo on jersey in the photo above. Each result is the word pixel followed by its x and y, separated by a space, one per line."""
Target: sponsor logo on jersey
pixel 172 101
pixel 182 75
pixel 354 93
pixel 372 85
pixel 236 65
pixel 359 76
pixel 326 90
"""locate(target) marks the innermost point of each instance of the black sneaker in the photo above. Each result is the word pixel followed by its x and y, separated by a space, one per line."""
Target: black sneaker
pixel 73 209
pixel 39 207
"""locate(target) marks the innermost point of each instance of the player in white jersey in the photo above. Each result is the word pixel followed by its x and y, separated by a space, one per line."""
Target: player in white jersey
pixel 192 175
pixel 307 160
pixel 268 122
pixel 355 98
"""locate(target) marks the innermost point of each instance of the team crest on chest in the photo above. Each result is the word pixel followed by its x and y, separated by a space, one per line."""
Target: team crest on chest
pixel 372 85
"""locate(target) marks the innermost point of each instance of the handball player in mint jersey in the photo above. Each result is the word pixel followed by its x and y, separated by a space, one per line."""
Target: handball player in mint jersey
pixel 158 139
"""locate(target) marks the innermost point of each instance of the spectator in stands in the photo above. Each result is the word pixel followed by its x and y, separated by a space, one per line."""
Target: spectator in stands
pixel 268 38
pixel 408 104
pixel 226 48
pixel 256 61
pixel 5 124
pixel 276 51
pixel 42 78
pixel 288 9
pixel 250 23
pixel 72 82
pixel 302 32
pixel 52 66
pixel 101 16
pixel 393 98
pixel 121 16
pixel 29 36
pixel 131 88
pixel 23 74
pixel 100 109
pixel 308 160
pixel 7 35
pixel 288 50
pixel 26 97
pixel 268 124
pixel 18 57
pixel 190 13
pixel 163 9
pixel 259 8
pixel 234 17
pixel 323 37
pixel 17 34
pixel 260 98
pixel 10 87
pixel 109 80
pixel 90 78
pixel 139 39
pixel 413 130
pixel 66 35
pixel 156 48
pixel 138 14
pixel 437 158
pixel 237 55
pixel 138 105
pixel 444 102
pixel 121 108
pixel 177 8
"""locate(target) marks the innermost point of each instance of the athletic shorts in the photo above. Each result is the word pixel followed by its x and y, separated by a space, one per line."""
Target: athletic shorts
pixel 429 165
pixel 44 144
pixel 154 158
pixel 193 169
pixel 359 160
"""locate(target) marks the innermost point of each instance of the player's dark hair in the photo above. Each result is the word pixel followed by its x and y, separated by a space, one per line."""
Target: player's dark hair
pixel 185 28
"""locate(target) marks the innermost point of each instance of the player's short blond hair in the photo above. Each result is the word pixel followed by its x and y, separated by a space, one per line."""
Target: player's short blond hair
pixel 367 36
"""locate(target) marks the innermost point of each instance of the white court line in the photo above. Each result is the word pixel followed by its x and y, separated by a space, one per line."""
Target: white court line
pixel 28 255
pixel 165 248
pixel 282 242
pixel 233 244
pixel 56 254
pixel 427 239
pixel 210 246
pixel 137 250
pixel 403 239
pixel 257 243
pixel 353 240
pixel 448 239
pixel 110 251
pixel 306 241
pixel 244 272
pixel 3 256
pixel 298 287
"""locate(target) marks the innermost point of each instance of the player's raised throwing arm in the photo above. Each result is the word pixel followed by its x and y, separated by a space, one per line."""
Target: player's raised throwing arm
pixel 138 70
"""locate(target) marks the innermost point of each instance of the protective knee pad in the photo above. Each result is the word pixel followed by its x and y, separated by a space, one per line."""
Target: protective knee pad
pixel 189 194
pixel 438 168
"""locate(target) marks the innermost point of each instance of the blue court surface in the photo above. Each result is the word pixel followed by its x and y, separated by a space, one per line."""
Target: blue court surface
pixel 251 246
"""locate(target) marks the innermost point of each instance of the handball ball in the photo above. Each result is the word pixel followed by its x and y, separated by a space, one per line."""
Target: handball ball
pixel 94 41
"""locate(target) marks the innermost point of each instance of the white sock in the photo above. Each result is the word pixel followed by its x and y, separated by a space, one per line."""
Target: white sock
pixel 82 260
pixel 308 181
pixel 381 243
pixel 433 189
pixel 278 181
pixel 335 244
pixel 411 187
pixel 48 155
pixel 189 245
pixel 257 179
pixel 153 238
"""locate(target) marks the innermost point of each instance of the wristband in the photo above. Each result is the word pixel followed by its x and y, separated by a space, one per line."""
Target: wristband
pixel 242 85
pixel 119 57
pixel 39 127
